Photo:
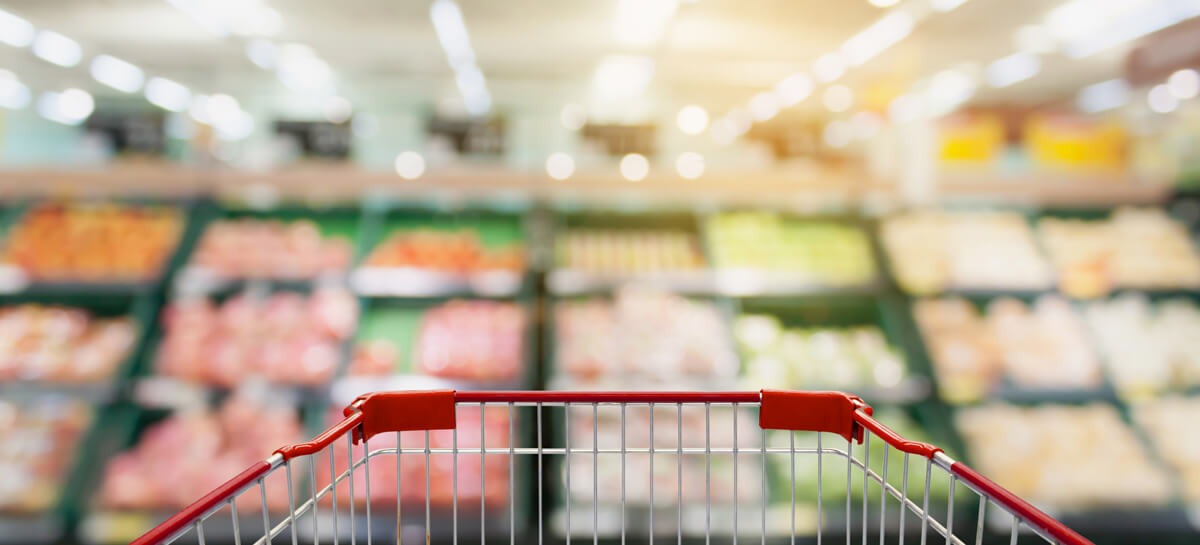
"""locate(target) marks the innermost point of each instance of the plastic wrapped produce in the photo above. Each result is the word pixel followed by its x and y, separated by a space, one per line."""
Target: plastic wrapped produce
pixel 252 248
pixel 179 459
pixel 1135 248
pixel 628 251
pixel 642 338
pixel 812 252
pixel 93 243
pixel 815 358
pixel 38 443
pixel 1147 347
pixel 1043 346
pixel 932 252
pixel 1066 457
pixel 62 344
pixel 286 338
pixel 1167 422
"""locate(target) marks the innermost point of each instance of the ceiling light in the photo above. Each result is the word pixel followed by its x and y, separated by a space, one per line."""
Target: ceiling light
pixel 1105 95
pixel 883 3
pixel 873 40
pixel 560 166
pixel 1034 39
pixel 1098 25
pixel 690 165
pixel 168 94
pixel 473 89
pixel 1012 69
pixel 14 30
pixel 866 124
pixel 1184 84
pixel 337 109
pixel 1161 100
pixel 764 106
pixel 573 117
pixel 69 107
pixel 241 17
pixel 116 73
pixel 641 22
pixel 410 165
pixel 303 72
pixel 452 33
pixel 829 67
pixel 635 167
pixel 946 5
pixel 838 98
pixel 948 90
pixel 838 134
pixel 621 77
pixel 14 95
pixel 692 119
pixel 57 49
pixel 198 110
pixel 235 126
pixel 794 88
pixel 262 53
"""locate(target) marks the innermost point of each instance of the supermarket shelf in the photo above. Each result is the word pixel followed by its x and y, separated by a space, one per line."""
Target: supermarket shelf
pixel 728 282
pixel 576 282
pixel 193 280
pixel 31 529
pixel 97 392
pixel 169 393
pixel 413 282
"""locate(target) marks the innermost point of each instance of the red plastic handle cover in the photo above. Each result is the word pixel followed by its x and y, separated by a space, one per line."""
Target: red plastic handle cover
pixel 403 411
pixel 811 411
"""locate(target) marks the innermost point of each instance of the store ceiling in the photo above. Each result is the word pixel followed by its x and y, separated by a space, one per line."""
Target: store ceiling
pixel 717 53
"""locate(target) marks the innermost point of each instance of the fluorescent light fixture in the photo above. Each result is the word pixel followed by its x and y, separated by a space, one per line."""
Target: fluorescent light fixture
pixel 14 30
pixel 224 17
pixel 1161 100
pixel 573 117
pixel 692 119
pixel 838 98
pixel 1089 28
pixel 829 67
pixel 452 33
pixel 635 167
pixel 764 106
pixel 946 5
pixel 560 166
pixel 55 48
pixel 794 89
pixel 838 134
pixel 167 94
pixel 876 38
pixel 14 95
pixel 641 22
pixel 1012 69
pixel 302 71
pixel 948 90
pixel 1105 95
pixel 116 73
pixel 410 165
pixel 69 107
pixel 690 165
pixel 622 77
pixel 262 53
pixel 474 90
pixel 1184 84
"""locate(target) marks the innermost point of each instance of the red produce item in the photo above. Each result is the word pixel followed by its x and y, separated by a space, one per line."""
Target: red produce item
pixel 61 344
pixel 250 248
pixel 471 340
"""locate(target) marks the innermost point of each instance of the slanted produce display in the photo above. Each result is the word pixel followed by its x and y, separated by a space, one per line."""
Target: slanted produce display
pixel 1148 347
pixel 1165 421
pixel 791 252
pixel 40 441
pixel 63 345
pixel 281 249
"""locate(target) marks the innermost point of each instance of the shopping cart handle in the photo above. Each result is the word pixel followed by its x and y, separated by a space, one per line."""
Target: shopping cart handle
pixel 1028 513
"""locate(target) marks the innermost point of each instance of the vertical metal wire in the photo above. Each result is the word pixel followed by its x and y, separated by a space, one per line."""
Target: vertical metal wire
pixel 262 490
pixel 651 473
pixel 736 490
pixel 679 472
pixel 483 478
pixel 367 485
pixel 350 458
pixel 200 531
pixel 400 495
pixel 979 526
pixel 764 487
pixel 707 474
pixel 1012 540
pixel 237 533
pixel 950 513
pixel 454 486
pixel 512 480
pixel 792 465
pixel 925 502
pixel 540 482
pixel 849 475
pixel 312 479
pixel 287 466
pixel 595 476
pixel 883 496
pixel 428 527
pixel 333 482
pixel 904 498
pixel 622 473
pixel 567 453
pixel 820 455
pixel 866 482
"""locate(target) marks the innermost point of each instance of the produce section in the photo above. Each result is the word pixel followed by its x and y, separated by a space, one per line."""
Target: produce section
pixel 816 254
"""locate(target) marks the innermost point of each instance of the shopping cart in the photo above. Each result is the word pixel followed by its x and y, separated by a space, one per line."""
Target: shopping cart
pixel 329 496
